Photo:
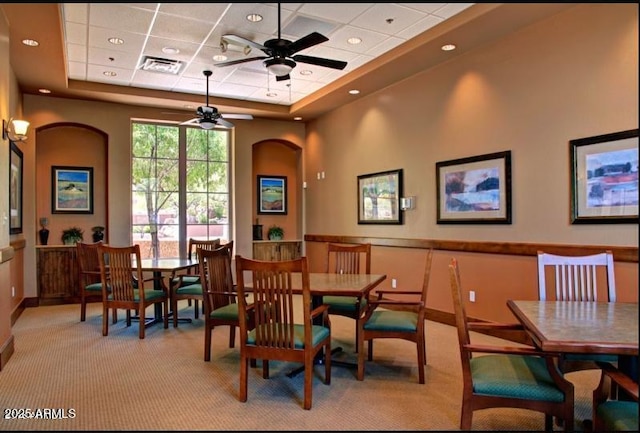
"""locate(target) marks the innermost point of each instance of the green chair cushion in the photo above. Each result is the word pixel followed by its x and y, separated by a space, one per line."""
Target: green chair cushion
pixel 343 303
pixel 191 289
pixel 318 333
pixel 187 279
pixel 149 295
pixel 228 312
pixel 383 320
pixel 617 415
pixel 514 376
pixel 95 287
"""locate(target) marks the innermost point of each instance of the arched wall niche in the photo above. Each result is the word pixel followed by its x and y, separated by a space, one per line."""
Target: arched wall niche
pixel 278 157
pixel 70 144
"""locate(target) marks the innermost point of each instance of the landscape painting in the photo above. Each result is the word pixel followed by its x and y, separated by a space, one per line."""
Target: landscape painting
pixel 475 190
pixel 72 190
pixel 604 181
pixel 272 194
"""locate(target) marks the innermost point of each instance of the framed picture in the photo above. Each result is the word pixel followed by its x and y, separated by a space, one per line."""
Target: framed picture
pixel 272 195
pixel 15 188
pixel 604 178
pixel 379 197
pixel 72 190
pixel 475 190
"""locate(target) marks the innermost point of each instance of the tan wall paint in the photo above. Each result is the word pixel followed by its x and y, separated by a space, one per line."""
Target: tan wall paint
pixel 571 76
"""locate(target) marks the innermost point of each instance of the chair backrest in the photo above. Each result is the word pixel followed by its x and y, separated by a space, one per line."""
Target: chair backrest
pixel 576 278
pixel 120 269
pixel 272 290
pixel 427 277
pixel 461 317
pixel 348 259
pixel 88 263
pixel 194 244
pixel 215 276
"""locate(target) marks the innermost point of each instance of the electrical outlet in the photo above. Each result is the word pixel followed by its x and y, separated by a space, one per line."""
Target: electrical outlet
pixel 394 283
pixel 472 296
pixel 13 291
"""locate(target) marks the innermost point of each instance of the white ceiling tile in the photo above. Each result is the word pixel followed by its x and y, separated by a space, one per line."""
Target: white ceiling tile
pixel 120 17
pixel 387 18
pixel 209 12
pixel 75 12
pixel 99 38
pixel 111 58
pixel 369 38
pixel 76 53
pixel 154 80
pixel 423 7
pixel 77 70
pixel 421 26
pixel 187 30
pixel 96 73
pixel 155 45
pixel 450 9
pixel 344 13
pixel 75 33
pixel 386 45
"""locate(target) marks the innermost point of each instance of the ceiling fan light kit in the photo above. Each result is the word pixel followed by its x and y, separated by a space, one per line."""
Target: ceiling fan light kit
pixel 279 66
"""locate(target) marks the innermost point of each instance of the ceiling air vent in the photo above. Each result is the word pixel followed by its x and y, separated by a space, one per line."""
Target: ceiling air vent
pixel 157 64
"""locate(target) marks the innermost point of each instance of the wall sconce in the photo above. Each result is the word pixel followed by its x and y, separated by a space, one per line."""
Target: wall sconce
pixel 407 203
pixel 14 130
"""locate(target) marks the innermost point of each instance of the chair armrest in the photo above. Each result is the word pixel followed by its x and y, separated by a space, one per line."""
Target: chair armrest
pixel 508 350
pixel 621 379
pixel 395 302
pixel 162 284
pixel 485 326
pixel 319 310
pixel 397 292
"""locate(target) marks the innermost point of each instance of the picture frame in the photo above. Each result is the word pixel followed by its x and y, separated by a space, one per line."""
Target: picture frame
pixel 379 196
pixel 604 178
pixel 15 188
pixel 71 190
pixel 474 190
pixel 272 195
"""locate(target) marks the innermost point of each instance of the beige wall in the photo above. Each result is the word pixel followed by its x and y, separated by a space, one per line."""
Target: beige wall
pixel 574 75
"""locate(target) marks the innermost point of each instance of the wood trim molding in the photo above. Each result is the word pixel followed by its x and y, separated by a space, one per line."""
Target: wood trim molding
pixel 620 254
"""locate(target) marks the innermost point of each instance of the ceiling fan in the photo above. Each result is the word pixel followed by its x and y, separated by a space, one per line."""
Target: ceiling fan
pixel 280 56
pixel 208 116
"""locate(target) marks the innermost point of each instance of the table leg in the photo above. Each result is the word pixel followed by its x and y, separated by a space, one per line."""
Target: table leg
pixel 157 308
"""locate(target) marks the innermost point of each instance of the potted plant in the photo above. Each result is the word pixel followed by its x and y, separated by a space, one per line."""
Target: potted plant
pixel 275 233
pixel 98 233
pixel 72 235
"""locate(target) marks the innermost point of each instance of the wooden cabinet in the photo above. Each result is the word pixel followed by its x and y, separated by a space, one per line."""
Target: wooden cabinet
pixel 57 274
pixel 275 251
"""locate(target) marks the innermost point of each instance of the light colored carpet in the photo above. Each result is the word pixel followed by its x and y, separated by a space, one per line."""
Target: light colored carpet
pixel 120 382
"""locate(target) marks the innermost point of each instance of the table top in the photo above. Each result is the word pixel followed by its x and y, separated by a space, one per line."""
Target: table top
pixel 166 264
pixel 580 327
pixel 327 284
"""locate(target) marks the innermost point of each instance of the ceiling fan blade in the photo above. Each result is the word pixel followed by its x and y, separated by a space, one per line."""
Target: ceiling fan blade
pixel 282 77
pixel 310 40
pixel 239 40
pixel 237 116
pixel 327 63
pixel 193 121
pixel 223 123
pixel 237 62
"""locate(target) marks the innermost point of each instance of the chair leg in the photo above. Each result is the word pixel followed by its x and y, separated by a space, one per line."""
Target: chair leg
pixel 128 317
pixel 327 363
pixel 195 309
pixel 207 342
pixel 465 418
pixel 360 375
pixel 165 310
pixel 244 373
pixel 265 369
pixel 232 336
pixel 370 349
pixel 308 380
pixel 114 313
pixel 174 308
pixel 421 360
pixel 105 320
pixel 142 324
pixel 83 310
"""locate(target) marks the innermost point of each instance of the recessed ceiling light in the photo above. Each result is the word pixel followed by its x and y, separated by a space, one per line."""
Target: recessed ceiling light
pixel 44 90
pixel 254 18
pixel 170 50
pixel 354 40
pixel 306 72
pixel 272 95
pixel 109 73
pixel 297 118
pixel 116 41
pixel 30 42
pixel 354 91
pixel 219 58
pixel 448 47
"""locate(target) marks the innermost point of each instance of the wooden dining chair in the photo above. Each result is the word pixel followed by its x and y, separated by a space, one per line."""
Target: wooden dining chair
pixel 187 285
pixel 577 278
pixel 404 319
pixel 517 377
pixel 219 296
pixel 615 408
pixel 282 332
pixel 348 259
pixel 89 284
pixel 123 286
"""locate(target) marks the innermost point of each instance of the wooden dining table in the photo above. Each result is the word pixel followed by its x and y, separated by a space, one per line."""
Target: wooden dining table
pixel 580 327
pixel 331 284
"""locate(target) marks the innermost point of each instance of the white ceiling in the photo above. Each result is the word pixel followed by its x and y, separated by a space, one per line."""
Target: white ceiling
pixel 195 29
